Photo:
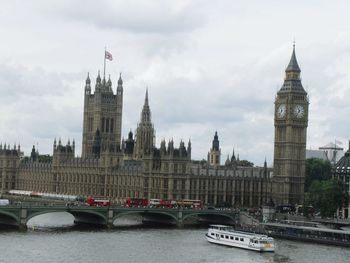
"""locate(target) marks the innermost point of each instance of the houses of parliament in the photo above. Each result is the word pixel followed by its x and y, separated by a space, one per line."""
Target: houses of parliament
pixel 135 167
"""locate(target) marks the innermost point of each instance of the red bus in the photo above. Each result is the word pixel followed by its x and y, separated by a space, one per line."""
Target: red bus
pixel 136 202
pixel 187 203
pixel 98 201
pixel 168 203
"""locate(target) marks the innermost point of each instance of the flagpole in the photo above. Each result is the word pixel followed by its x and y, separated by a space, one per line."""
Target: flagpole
pixel 104 65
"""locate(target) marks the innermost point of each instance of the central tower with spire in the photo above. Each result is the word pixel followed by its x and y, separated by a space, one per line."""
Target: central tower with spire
pixel 291 121
pixel 145 134
pixel 102 118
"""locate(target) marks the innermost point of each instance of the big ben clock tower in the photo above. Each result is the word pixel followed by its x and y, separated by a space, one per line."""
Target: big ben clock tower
pixel 291 120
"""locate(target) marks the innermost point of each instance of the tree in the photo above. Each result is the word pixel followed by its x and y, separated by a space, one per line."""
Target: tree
pixel 316 169
pixel 201 162
pixel 327 196
pixel 44 158
pixel 246 163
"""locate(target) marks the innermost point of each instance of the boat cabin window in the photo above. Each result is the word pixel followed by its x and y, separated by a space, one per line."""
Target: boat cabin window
pixel 231 238
pixel 212 234
pixel 236 238
pixel 222 236
pixel 241 239
pixel 226 237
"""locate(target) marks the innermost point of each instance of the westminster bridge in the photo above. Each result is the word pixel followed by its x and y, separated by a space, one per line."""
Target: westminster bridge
pixel 18 216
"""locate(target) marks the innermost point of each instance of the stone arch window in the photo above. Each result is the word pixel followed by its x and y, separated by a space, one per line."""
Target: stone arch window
pixel 107 124
pixel 112 125
pixel 103 125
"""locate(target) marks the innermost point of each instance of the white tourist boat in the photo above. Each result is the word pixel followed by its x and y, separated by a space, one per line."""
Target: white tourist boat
pixel 226 235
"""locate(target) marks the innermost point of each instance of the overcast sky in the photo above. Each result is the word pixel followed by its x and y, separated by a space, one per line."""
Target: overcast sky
pixel 209 65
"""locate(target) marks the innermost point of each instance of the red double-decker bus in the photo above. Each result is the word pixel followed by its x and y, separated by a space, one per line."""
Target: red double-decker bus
pixel 187 203
pixel 136 202
pixel 167 203
pixel 98 201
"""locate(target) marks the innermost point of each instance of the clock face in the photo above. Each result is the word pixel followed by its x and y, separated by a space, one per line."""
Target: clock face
pixel 299 111
pixel 281 111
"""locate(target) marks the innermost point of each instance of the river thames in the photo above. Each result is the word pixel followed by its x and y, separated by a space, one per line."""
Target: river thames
pixel 51 238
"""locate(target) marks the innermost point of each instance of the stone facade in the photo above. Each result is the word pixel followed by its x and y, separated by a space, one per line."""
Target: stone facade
pixel 102 121
pixel 291 120
pixel 167 173
pixel 135 167
pixel 9 162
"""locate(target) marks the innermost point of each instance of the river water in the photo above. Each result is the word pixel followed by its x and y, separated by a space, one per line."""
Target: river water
pixel 52 238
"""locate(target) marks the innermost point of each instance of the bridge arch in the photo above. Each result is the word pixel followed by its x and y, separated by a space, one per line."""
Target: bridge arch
pixel 89 217
pixel 119 214
pixel 200 213
pixel 8 218
pixel 99 217
pixel 31 215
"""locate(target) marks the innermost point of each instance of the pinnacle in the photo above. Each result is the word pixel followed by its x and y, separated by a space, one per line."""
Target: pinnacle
pixel 293 63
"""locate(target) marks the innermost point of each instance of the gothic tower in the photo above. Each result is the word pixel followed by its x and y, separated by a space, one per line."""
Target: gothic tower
pixel 145 134
pixel 291 120
pixel 215 152
pixel 102 117
pixel 9 163
pixel 129 146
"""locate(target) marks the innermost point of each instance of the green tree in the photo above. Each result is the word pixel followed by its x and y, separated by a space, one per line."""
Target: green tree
pixel 25 159
pixel 316 169
pixel 44 158
pixel 246 163
pixel 327 196
pixel 201 162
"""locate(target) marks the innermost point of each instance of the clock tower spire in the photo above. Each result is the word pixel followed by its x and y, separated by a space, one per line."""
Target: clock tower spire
pixel 291 121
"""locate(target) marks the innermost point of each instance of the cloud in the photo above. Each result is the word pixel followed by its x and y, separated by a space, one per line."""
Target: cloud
pixel 37 106
pixel 19 81
pixel 209 66
pixel 189 101
pixel 158 16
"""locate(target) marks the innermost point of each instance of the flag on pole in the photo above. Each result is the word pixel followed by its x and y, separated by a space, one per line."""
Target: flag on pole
pixel 108 55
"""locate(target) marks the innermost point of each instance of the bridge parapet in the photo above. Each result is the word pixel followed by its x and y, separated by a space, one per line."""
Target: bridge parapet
pixel 105 216
pixel 333 223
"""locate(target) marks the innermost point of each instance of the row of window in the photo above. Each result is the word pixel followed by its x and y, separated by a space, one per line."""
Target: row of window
pixel 107 124
pixel 229 237
pixel 177 168
pixel 220 185
pixel 8 163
